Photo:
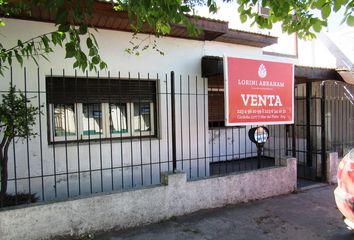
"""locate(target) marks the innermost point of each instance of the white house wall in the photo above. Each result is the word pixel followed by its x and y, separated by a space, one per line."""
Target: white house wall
pixel 181 56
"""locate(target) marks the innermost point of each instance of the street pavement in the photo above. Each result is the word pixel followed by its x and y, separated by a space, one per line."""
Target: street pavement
pixel 310 214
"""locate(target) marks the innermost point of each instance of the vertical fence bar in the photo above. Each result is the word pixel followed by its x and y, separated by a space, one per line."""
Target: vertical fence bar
pixel 66 142
pixel 131 107
pixel 88 126
pixel 53 134
pixel 308 125
pixel 323 132
pixel 167 125
pixel 109 128
pixel 27 139
pixel 293 139
pixel 189 128
pixel 77 134
pixel 173 122
pixel 140 128
pixel 159 116
pixel 100 131
pixel 181 118
pixel 121 132
pixel 40 131
pixel 205 128
pixel 150 152
pixel 239 148
pixel 226 152
pixel 233 149
pixel 197 121
pixel 14 148
pixel 342 122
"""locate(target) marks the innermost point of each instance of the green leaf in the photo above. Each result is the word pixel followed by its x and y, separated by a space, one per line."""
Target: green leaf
pixel 243 18
pixel 337 5
pixel 320 3
pixel 9 58
pixel 95 60
pixel 83 29
pixel 317 26
pixel 19 58
pixel 70 50
pixel 54 38
pixel 19 43
pixel 76 64
pixel 64 28
pixel 103 65
pixel 45 41
pixel 350 20
pixel 185 9
pixel 326 11
pixel 89 42
pixel 92 51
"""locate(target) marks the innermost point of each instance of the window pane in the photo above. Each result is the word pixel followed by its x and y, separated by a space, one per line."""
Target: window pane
pixel 64 120
pixel 142 117
pixel 92 119
pixel 118 118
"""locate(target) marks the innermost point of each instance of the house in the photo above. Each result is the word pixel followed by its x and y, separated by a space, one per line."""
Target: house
pixel 120 128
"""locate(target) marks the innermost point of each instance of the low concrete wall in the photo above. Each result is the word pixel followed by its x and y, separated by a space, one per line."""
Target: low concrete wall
pixel 332 166
pixel 126 209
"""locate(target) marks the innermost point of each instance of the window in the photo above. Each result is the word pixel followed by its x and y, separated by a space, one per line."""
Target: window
pixel 118 118
pixel 88 108
pixel 216 101
pixel 64 119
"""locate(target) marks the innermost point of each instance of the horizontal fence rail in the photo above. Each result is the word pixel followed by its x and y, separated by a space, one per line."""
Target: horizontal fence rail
pixel 110 131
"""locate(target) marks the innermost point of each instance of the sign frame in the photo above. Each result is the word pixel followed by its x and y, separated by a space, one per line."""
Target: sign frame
pixel 226 93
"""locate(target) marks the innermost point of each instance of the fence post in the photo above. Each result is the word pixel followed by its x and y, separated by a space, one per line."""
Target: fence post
pixel 308 125
pixel 323 132
pixel 173 122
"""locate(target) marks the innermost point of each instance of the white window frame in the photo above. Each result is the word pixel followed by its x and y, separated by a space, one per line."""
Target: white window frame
pixel 107 122
pixel 106 134
pixel 152 123
pixel 103 125
pixel 52 120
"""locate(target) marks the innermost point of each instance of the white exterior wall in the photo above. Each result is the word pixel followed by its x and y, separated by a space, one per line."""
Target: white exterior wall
pixel 181 55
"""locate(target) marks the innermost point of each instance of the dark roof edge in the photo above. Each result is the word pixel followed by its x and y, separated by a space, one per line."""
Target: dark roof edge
pixel 213 30
pixel 314 74
pixel 213 65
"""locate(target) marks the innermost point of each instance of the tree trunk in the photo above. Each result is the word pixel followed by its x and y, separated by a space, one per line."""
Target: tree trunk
pixel 4 147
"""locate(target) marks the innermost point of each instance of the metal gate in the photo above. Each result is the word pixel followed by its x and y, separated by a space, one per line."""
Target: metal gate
pixel 306 137
pixel 324 122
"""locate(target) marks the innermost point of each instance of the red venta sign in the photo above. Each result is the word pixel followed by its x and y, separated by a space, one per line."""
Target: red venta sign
pixel 258 92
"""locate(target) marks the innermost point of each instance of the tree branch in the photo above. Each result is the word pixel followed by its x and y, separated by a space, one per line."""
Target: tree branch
pixel 28 41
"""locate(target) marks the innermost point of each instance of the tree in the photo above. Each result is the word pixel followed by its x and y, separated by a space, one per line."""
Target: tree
pixel 17 116
pixel 306 17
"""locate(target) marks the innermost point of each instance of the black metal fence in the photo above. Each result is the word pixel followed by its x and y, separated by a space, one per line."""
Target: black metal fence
pixel 109 131
pixel 339 117
pixel 324 122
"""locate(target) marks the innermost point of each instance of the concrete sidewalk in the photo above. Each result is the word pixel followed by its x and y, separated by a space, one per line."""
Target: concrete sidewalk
pixel 307 215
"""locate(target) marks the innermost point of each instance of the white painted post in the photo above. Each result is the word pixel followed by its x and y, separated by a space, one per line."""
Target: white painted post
pixel 332 166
